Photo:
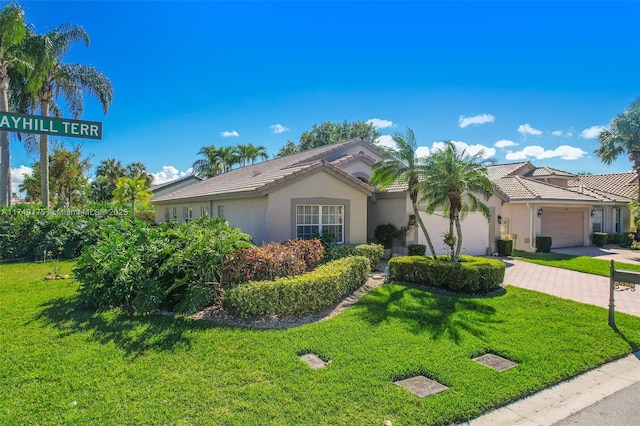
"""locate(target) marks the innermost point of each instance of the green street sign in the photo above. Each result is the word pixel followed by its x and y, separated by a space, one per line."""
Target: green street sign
pixel 23 123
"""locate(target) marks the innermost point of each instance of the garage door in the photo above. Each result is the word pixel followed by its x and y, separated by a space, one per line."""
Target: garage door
pixel 566 228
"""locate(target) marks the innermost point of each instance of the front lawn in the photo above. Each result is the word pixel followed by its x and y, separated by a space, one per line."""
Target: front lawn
pixel 585 264
pixel 64 365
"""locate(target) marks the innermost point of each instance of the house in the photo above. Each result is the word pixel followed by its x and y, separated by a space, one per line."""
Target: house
pixel 326 189
pixel 173 185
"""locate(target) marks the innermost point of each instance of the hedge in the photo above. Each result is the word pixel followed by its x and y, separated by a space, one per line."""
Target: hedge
pixel 543 244
pixel 471 274
pixel 600 239
pixel 298 295
pixel 417 249
pixel 373 252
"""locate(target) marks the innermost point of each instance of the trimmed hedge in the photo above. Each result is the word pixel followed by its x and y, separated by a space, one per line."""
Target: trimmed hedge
pixel 298 295
pixel 471 274
pixel 505 247
pixel 600 239
pixel 543 244
pixel 271 261
pixel 373 252
pixel 417 249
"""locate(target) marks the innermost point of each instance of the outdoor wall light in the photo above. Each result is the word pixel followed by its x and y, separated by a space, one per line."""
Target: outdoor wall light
pixel 499 219
pixel 593 213
pixel 540 212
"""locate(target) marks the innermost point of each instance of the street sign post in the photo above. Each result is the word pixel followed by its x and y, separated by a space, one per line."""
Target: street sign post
pixel 14 122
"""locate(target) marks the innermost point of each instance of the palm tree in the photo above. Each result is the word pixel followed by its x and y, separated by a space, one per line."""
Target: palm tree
pixel 455 181
pixel 229 157
pixel 12 33
pixel 132 190
pixel 137 169
pixel 51 76
pixel 622 138
pixel 111 169
pixel 403 166
pixel 250 152
pixel 209 166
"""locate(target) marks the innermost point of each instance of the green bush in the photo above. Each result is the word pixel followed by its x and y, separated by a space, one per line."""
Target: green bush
pixel 543 244
pixel 471 274
pixel 623 239
pixel 417 249
pixel 505 247
pixel 374 252
pixel 144 268
pixel 298 295
pixel 600 238
pixel 385 234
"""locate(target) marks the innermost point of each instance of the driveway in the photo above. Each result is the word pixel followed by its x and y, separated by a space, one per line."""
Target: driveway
pixel 584 288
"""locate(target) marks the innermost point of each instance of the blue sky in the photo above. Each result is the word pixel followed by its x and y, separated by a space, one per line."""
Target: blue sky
pixel 524 80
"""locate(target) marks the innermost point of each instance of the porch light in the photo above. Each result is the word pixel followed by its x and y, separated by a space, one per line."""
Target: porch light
pixel 540 212
pixel 593 213
pixel 499 219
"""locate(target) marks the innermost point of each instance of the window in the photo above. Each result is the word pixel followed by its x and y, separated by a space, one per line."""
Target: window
pixel 313 220
pixel 187 213
pixel 221 211
pixel 167 215
pixel 175 214
pixel 204 211
pixel 597 221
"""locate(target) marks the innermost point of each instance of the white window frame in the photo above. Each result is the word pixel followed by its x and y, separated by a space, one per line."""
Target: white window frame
pixel 313 219
pixel 187 213
pixel 175 214
pixel 204 211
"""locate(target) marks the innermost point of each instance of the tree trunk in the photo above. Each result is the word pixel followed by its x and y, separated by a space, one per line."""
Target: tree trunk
pixel 459 231
pixel 424 229
pixel 5 158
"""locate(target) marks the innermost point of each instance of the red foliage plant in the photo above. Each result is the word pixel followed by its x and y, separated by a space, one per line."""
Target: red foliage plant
pixel 271 261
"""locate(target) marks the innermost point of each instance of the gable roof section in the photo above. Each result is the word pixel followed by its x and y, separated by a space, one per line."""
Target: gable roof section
pixel 619 186
pixel 548 172
pixel 520 188
pixel 510 169
pixel 174 182
pixel 255 179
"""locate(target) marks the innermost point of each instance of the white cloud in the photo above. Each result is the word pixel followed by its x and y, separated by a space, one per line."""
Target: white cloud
pixel 471 149
pixel 503 143
pixel 561 133
pixel 17 177
pixel 278 128
pixel 227 134
pixel 526 129
pixel 592 132
pixel 387 140
pixel 169 173
pixel 422 151
pixel 476 119
pixel 564 152
pixel 379 123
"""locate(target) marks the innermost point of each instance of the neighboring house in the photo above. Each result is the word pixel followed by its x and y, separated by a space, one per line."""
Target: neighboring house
pixel 173 185
pixel 326 189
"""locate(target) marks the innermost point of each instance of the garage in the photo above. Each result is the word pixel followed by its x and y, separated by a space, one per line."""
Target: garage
pixel 565 227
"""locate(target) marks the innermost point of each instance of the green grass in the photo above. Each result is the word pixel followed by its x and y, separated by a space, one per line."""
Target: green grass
pixel 60 364
pixel 585 264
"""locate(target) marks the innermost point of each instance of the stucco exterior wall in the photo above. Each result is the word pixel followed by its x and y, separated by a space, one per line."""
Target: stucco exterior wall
pixel 359 169
pixel 316 188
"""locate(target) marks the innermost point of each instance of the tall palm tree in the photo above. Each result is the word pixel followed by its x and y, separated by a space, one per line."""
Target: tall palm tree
pixel 403 166
pixel 51 77
pixel 12 33
pixel 251 153
pixel 229 157
pixel 137 169
pixel 111 169
pixel 209 166
pixel 130 190
pixel 455 181
pixel 622 138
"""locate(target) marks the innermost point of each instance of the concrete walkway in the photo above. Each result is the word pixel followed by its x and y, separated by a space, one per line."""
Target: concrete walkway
pixel 565 399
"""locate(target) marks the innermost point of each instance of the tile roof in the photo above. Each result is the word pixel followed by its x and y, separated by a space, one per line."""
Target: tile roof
pixel 154 188
pixel 539 172
pixel 509 169
pixel 622 186
pixel 267 174
pixel 520 188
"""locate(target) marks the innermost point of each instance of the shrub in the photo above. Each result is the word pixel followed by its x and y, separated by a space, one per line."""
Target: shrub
pixel 143 268
pixel 298 295
pixel 471 274
pixel 543 244
pixel 271 261
pixel 505 247
pixel 373 252
pixel 623 239
pixel 385 234
pixel 417 249
pixel 627 239
pixel 600 238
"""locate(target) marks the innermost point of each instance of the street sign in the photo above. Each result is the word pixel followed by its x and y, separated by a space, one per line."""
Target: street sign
pixel 14 122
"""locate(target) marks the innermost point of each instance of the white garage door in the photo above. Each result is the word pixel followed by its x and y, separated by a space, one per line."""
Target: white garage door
pixel 566 228
pixel 475 233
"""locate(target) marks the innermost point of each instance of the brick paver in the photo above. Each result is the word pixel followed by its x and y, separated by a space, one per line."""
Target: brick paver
pixel 585 288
